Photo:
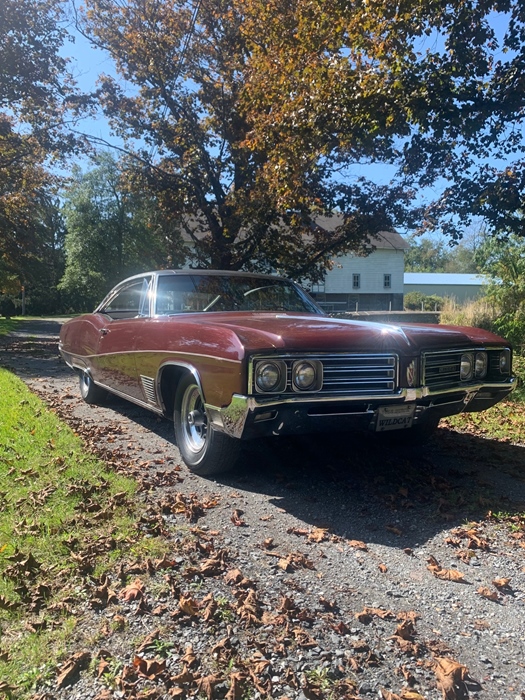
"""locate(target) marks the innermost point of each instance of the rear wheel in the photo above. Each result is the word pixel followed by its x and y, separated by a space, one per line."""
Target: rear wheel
pixel 204 450
pixel 90 392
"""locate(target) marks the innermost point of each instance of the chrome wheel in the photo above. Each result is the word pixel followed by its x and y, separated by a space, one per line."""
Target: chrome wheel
pixel 90 392
pixel 205 450
pixel 194 420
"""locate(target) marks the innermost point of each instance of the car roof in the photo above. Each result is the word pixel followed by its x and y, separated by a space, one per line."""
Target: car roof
pixel 217 273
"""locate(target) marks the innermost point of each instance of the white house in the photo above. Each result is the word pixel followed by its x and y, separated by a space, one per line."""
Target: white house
pixel 371 283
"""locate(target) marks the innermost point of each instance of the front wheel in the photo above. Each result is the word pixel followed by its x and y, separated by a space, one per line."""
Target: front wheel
pixel 90 392
pixel 204 450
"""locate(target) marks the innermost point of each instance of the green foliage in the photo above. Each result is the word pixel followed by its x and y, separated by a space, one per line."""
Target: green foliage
pixel 423 302
pixel 503 260
pixel 201 161
pixel 430 88
pixel 7 307
pixel 35 96
pixel 428 255
pixel 479 313
pixel 112 233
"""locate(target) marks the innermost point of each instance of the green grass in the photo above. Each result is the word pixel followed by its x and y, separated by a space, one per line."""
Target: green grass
pixel 505 421
pixel 63 515
pixel 6 325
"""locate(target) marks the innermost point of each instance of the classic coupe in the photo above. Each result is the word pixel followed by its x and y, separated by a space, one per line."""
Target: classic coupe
pixel 231 356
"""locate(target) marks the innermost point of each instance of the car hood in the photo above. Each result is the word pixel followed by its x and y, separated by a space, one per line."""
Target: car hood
pixel 288 331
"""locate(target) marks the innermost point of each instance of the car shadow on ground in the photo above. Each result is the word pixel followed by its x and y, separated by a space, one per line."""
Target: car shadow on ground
pixel 364 488
pixel 356 485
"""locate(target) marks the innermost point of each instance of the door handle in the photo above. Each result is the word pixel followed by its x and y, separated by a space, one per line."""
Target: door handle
pixel 104 331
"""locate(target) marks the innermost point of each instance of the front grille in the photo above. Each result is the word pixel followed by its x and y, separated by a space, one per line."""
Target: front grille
pixel 349 375
pixel 360 374
pixel 442 369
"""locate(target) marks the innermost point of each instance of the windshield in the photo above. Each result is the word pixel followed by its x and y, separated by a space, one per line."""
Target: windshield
pixel 177 294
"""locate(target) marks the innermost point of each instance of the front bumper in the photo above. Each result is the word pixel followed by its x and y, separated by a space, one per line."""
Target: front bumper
pixel 254 416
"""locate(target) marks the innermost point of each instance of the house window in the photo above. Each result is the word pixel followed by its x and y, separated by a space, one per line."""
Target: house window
pixel 387 281
pixel 356 281
pixel 318 288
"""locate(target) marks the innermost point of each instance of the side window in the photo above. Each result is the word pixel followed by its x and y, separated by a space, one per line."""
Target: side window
pixel 174 295
pixel 131 300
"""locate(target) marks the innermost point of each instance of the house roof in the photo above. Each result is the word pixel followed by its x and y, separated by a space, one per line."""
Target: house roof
pixel 444 278
pixel 383 239
pixel 195 226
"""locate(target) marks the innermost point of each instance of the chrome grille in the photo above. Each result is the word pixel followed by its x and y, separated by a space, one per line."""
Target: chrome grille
pixel 360 374
pixel 348 375
pixel 442 369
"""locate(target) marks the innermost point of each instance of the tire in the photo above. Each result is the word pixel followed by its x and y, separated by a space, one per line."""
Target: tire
pixel 90 392
pixel 204 450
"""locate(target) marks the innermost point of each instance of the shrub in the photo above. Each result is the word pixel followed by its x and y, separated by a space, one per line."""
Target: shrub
pixel 7 307
pixel 479 313
pixel 418 301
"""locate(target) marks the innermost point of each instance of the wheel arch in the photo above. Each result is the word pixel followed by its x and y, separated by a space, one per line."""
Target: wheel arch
pixel 169 377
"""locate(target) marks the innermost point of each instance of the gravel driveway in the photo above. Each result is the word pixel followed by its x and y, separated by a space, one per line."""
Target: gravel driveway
pixel 343 569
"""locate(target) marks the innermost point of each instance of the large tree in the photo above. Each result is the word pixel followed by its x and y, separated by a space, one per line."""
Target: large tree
pixel 36 98
pixel 187 119
pixel 434 89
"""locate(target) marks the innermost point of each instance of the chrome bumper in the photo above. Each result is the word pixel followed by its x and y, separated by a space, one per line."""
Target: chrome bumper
pixel 246 416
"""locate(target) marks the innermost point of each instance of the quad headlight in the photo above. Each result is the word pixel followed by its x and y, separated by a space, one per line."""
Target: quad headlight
pixel 270 375
pixel 481 365
pixel 505 361
pixel 307 375
pixel 277 376
pixel 466 370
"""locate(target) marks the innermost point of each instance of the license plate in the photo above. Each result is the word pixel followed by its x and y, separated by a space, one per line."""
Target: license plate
pixel 394 417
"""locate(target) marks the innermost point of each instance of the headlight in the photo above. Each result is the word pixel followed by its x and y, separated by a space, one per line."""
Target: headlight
pixel 303 375
pixel 307 375
pixel 481 365
pixel 504 362
pixel 467 367
pixel 270 376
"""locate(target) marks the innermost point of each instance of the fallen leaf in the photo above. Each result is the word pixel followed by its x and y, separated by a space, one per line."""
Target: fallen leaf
pixel 237 519
pixel 318 534
pixel 188 605
pixel 451 678
pixel 485 592
pixel 132 592
pixel 68 673
pixel 444 574
pixel 207 684
pixel 357 544
pixel 501 582
pixel 367 614
pixel 149 668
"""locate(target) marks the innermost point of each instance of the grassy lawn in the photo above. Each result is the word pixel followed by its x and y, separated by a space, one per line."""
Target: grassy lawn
pixel 6 325
pixel 63 516
pixel 505 421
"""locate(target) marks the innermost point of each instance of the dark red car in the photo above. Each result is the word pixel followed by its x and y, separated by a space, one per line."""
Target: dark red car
pixel 232 356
